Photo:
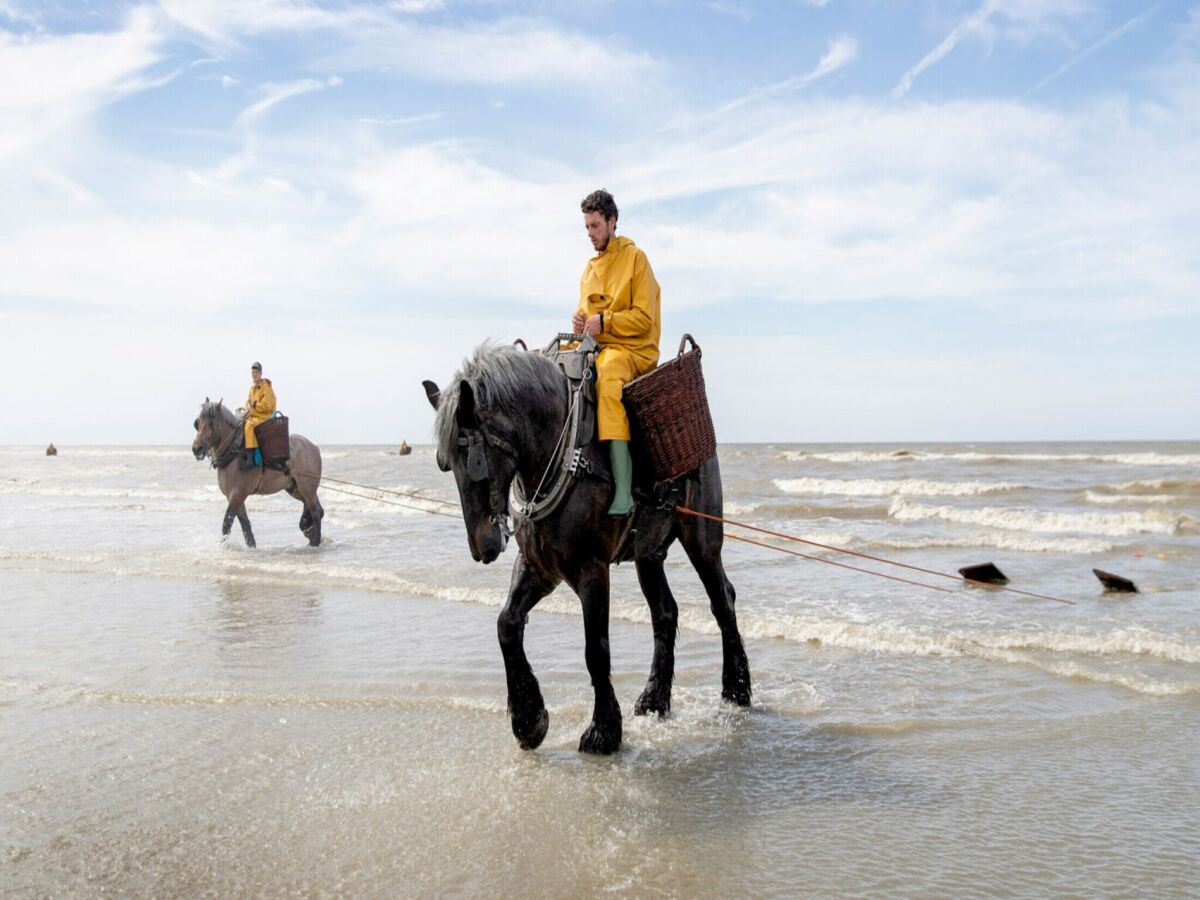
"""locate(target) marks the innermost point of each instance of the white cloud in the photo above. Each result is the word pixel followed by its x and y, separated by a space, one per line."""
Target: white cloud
pixel 506 52
pixel 415 6
pixel 746 11
pixel 995 204
pixel 841 52
pixel 991 204
pixel 14 13
pixel 224 23
pixel 970 24
pixel 356 243
pixel 1017 20
pixel 388 121
pixel 53 84
pixel 1113 35
pixel 274 94
pixel 509 51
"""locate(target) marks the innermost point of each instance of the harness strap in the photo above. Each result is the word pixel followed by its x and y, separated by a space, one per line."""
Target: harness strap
pixel 226 451
pixel 568 463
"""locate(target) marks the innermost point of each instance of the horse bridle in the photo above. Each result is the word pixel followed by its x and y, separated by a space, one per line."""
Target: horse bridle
pixel 479 468
pixel 215 453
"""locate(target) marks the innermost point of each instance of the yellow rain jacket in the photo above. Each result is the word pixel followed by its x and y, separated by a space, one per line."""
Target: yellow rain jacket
pixel 260 406
pixel 619 283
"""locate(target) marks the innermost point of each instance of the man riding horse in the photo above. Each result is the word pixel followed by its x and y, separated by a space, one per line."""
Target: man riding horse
pixel 619 307
pixel 260 406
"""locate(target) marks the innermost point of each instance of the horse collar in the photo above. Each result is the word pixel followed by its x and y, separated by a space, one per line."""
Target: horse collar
pixel 567 464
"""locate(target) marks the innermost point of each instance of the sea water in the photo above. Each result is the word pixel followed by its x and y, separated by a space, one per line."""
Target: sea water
pixel 179 714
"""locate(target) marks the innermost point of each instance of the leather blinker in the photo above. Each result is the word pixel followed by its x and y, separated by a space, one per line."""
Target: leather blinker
pixel 478 466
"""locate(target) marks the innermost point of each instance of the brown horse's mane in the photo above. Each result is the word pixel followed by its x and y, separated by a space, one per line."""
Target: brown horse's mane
pixel 211 409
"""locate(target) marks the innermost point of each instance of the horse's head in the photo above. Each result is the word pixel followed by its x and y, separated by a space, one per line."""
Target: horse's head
pixel 484 462
pixel 207 428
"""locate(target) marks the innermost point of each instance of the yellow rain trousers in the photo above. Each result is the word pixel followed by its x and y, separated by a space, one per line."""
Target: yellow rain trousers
pixel 619 283
pixel 260 406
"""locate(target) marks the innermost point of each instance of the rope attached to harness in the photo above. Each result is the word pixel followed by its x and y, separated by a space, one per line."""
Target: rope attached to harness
pixel 879 559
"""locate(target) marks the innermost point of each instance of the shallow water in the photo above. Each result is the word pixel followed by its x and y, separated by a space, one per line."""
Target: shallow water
pixel 180 714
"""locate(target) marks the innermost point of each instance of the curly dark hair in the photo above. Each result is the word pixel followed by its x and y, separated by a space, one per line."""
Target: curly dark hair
pixel 600 201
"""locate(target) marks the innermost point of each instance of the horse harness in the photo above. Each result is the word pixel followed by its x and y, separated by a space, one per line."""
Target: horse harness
pixel 226 450
pixel 570 460
pixel 479 466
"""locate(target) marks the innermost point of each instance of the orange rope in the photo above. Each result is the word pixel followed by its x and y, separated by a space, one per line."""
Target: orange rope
pixel 878 559
pixel 746 540
pixel 432 512
pixel 367 487
pixel 734 537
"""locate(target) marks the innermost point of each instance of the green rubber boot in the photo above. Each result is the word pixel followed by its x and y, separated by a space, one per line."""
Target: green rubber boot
pixel 622 469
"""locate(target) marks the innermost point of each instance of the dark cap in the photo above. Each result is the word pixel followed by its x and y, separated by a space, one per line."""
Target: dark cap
pixel 257 367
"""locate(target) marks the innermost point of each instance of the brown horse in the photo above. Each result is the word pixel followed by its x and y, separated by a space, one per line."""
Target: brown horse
pixel 219 438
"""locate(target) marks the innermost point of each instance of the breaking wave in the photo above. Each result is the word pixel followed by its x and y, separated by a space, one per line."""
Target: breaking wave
pixel 1031 520
pixel 1145 458
pixel 244 698
pixel 1059 653
pixel 68 452
pixel 1151 487
pixel 781 512
pixel 1002 540
pixel 41 489
pixel 1128 499
pixel 873 487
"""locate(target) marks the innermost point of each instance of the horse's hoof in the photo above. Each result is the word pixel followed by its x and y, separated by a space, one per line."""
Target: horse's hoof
pixel 601 741
pixel 531 736
pixel 653 700
pixel 738 694
pixel 250 543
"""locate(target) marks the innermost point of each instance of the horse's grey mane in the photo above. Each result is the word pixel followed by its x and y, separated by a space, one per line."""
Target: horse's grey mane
pixel 211 408
pixel 502 377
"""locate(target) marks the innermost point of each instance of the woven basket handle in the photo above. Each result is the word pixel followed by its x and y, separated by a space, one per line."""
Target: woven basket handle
pixel 683 343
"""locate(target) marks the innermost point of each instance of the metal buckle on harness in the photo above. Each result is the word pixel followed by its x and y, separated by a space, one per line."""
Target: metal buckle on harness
pixel 579 465
pixel 500 520
pixel 669 498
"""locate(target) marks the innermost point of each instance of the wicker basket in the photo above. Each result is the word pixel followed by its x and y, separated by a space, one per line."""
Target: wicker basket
pixel 668 409
pixel 273 439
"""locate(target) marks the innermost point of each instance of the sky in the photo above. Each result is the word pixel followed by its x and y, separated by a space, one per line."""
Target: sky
pixel 883 221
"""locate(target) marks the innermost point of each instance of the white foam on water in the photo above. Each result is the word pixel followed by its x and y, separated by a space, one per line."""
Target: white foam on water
pixel 1129 499
pixel 1003 540
pixel 833 538
pixel 1152 486
pixel 317 571
pixel 1123 641
pixel 82 559
pixel 380 505
pixel 243 698
pixel 1032 520
pixel 42 489
pixel 896 638
pixel 66 453
pixel 1128 459
pixel 1009 649
pixel 874 487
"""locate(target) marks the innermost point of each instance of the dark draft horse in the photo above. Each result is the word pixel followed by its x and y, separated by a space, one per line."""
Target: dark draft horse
pixel 510 406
